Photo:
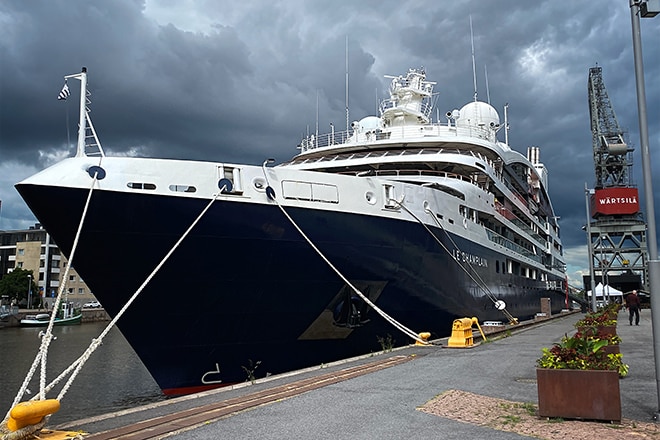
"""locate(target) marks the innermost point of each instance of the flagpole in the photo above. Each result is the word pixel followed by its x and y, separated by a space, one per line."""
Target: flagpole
pixel 81 122
pixel 68 130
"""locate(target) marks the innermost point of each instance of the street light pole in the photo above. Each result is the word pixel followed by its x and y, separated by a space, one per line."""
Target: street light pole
pixel 29 291
pixel 653 262
pixel 602 267
pixel 592 273
pixel 605 263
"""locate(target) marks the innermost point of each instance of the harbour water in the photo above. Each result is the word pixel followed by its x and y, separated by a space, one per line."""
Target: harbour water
pixel 113 378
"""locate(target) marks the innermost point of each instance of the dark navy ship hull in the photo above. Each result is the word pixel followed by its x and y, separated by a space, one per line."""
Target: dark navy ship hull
pixel 246 294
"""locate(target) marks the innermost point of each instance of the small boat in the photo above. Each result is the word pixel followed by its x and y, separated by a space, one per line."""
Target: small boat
pixel 67 315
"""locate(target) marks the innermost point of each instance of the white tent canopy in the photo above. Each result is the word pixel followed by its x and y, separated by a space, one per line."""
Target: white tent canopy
pixel 609 290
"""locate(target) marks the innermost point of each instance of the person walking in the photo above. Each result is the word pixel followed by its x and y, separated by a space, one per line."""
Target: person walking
pixel 632 303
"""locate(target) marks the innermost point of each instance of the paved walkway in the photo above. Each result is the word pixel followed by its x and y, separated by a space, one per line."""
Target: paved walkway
pixel 382 404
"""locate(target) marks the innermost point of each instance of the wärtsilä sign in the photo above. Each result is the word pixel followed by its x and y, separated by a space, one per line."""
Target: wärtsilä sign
pixel 612 201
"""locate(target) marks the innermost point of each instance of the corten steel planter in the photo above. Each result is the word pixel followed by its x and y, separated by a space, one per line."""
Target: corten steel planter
pixel 611 349
pixel 579 394
pixel 606 330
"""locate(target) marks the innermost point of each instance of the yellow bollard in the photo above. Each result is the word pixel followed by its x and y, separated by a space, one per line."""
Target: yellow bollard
pixel 424 336
pixel 31 413
pixel 461 333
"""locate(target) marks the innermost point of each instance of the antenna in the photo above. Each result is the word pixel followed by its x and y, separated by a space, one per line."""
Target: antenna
pixel 347 126
pixel 474 69
pixel 317 117
pixel 506 123
pixel 487 89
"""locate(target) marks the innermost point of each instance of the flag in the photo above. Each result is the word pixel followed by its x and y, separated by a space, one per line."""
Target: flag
pixel 64 93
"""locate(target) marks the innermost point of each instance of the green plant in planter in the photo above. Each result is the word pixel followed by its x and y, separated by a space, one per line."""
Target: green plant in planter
pixel 582 352
pixel 605 316
pixel 598 332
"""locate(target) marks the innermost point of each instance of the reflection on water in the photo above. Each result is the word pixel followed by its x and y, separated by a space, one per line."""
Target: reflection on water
pixel 112 379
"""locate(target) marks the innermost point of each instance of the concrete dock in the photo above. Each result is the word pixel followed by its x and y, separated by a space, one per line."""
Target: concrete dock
pixel 379 396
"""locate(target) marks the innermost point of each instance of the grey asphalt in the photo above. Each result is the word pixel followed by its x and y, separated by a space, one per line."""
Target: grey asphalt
pixel 382 405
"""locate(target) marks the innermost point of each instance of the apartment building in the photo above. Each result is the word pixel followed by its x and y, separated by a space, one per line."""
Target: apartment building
pixel 33 249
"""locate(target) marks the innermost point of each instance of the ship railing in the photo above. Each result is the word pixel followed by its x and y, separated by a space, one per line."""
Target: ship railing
pixel 313 141
pixel 502 241
pixel 411 172
pixel 8 310
pixel 513 218
pixel 425 107
pixel 377 154
pixel 525 227
pixel 396 133
pixel 516 194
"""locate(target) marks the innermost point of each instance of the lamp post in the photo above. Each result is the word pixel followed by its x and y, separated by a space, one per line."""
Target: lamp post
pixel 637 8
pixel 602 268
pixel 605 263
pixel 592 273
pixel 29 291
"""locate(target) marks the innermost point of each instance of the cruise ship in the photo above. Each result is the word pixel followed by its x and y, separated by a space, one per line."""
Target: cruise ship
pixel 365 238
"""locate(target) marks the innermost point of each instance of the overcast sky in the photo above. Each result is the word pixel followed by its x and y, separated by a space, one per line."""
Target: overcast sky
pixel 238 81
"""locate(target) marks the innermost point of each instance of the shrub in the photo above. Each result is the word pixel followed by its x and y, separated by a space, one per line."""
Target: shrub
pixel 582 352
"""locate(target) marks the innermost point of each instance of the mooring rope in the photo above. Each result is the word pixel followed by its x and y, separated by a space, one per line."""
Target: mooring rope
pixel 408 332
pixel 26 432
pixel 77 365
pixel 97 341
pixel 480 282
pixel 47 337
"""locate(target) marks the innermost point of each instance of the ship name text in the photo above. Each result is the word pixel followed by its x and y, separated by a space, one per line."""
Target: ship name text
pixel 465 257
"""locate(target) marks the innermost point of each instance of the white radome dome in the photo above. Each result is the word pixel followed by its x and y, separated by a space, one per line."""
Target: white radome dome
pixel 479 114
pixel 369 123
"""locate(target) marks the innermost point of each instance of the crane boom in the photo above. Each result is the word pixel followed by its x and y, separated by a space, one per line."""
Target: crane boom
pixel 612 156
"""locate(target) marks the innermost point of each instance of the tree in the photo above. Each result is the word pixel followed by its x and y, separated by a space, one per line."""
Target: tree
pixel 16 284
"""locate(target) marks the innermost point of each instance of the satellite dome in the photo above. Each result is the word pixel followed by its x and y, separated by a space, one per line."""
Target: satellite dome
pixel 478 114
pixel 369 123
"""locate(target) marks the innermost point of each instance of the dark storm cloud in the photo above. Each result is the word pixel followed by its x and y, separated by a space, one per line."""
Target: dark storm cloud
pixel 232 81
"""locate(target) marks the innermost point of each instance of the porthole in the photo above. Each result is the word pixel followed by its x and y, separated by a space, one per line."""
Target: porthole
pixel 140 185
pixel 183 188
pixel 370 197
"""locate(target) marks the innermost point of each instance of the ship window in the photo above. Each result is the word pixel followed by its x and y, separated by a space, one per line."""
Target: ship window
pixel 514 267
pixel 310 191
pixel 497 266
pixel 140 185
pixel 183 188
